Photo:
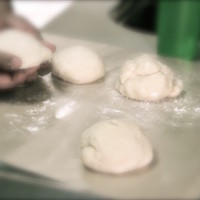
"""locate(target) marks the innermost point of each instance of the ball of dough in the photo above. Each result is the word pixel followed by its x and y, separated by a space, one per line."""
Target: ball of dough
pixel 115 146
pixel 146 79
pixel 78 65
pixel 25 46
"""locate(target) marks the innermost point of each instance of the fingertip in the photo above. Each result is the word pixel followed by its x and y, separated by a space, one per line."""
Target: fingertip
pixel 6 82
pixel 52 47
pixel 25 75
pixel 19 78
pixel 9 62
pixel 44 69
pixel 15 63
pixel 30 70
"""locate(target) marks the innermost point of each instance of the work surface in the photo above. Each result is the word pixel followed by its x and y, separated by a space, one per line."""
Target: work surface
pixel 41 124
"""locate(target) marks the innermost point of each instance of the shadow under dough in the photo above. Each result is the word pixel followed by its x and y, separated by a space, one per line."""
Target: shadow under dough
pixel 29 93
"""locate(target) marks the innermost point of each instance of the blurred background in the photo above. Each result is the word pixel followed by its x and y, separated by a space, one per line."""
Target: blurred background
pixel 122 23
pixel 138 14
pixel 40 12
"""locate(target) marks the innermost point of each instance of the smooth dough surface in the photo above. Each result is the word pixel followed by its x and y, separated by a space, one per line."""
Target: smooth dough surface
pixel 25 46
pixel 78 64
pixel 115 146
pixel 147 79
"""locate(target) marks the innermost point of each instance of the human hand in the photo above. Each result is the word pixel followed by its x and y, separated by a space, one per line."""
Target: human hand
pixel 10 73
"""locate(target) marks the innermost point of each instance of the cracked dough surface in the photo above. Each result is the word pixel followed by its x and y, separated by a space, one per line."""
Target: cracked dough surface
pixel 115 146
pixel 78 64
pixel 25 46
pixel 147 79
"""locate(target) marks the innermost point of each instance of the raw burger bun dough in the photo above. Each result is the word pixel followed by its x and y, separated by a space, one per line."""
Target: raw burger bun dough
pixel 24 46
pixel 146 79
pixel 78 65
pixel 115 146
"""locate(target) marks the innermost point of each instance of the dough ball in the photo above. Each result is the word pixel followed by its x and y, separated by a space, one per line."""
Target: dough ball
pixel 78 65
pixel 115 146
pixel 146 79
pixel 25 46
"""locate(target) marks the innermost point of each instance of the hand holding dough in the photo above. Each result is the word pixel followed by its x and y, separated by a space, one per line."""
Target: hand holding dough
pixel 115 146
pixel 146 79
pixel 78 65
pixel 24 46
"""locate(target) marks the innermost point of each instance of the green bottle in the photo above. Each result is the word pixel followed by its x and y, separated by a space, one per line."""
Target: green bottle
pixel 178 28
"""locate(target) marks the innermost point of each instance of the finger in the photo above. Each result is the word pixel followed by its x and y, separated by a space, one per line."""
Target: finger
pixel 14 21
pixel 50 46
pixel 6 81
pixel 26 75
pixel 19 77
pixel 44 69
pixel 9 62
pixel 30 71
pixel 32 77
pixel 31 74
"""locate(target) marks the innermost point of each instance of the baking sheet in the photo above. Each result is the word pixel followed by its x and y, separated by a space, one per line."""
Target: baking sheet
pixel 41 124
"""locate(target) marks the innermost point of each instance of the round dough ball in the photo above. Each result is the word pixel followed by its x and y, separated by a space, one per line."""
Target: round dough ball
pixel 78 65
pixel 115 146
pixel 146 79
pixel 25 46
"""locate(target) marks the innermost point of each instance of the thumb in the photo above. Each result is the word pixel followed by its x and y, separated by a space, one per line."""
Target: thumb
pixel 9 62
